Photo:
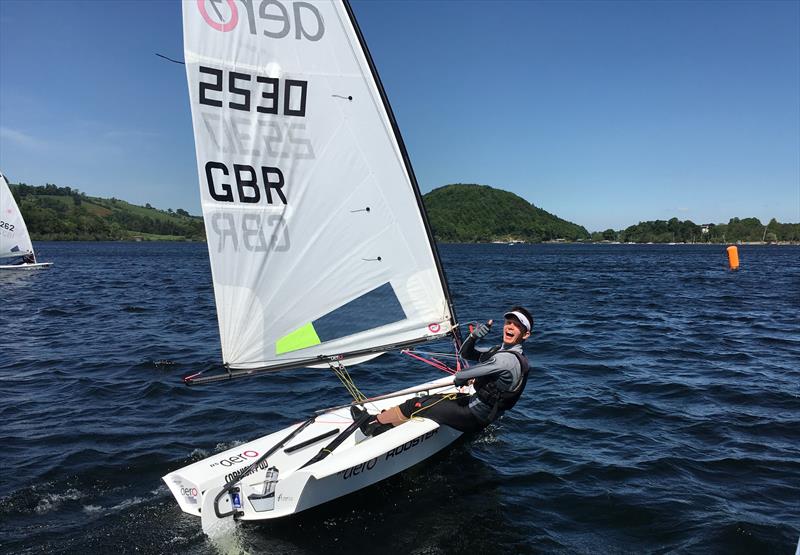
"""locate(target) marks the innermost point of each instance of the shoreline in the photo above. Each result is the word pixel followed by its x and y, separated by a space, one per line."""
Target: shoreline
pixel 503 244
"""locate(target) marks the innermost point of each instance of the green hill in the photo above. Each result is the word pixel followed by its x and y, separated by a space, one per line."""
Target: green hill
pixel 478 213
pixel 63 213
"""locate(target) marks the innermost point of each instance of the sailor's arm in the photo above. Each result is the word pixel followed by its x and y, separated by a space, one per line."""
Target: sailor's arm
pixel 500 362
pixel 468 349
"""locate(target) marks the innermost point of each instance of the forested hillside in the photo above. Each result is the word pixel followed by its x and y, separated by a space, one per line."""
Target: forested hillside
pixel 745 230
pixel 63 213
pixel 462 213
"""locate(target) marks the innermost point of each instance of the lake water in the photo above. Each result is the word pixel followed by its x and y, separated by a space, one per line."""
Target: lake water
pixel 662 413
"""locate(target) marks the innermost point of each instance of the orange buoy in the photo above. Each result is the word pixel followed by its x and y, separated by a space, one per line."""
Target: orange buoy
pixel 733 257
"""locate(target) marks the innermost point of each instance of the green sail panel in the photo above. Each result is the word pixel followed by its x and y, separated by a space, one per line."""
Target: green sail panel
pixel 300 338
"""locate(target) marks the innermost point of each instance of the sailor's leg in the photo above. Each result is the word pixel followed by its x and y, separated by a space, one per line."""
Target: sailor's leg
pixel 393 416
pixel 399 414
pixel 402 412
pixel 378 425
pixel 450 410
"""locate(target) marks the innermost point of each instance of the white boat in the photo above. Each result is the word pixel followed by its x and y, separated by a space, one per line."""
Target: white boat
pixel 321 252
pixel 16 249
pixel 300 467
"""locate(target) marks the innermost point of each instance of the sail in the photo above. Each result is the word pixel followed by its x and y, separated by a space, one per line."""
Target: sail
pixel 14 238
pixel 318 241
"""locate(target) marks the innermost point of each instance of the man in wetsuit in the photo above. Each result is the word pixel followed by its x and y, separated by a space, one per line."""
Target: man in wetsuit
pixel 499 379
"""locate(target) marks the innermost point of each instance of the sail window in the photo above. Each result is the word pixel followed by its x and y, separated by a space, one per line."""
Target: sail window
pixel 377 308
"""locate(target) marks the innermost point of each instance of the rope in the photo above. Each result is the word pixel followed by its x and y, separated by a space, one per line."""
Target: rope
pixel 432 361
pixel 448 397
pixel 347 381
pixel 438 364
pixel 344 376
pixel 433 353
pixel 170 59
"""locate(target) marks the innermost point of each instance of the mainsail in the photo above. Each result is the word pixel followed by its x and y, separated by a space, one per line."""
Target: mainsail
pixel 14 238
pixel 318 240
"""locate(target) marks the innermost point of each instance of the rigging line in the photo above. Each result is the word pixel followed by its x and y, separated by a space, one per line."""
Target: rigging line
pixel 351 390
pixel 457 344
pixel 431 353
pixel 344 376
pixel 423 388
pixel 429 357
pixel 187 379
pixel 170 59
pixel 439 362
pixel 433 362
pixel 448 397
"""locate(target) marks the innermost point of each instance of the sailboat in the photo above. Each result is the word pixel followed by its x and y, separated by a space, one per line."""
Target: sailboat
pixel 321 253
pixel 16 249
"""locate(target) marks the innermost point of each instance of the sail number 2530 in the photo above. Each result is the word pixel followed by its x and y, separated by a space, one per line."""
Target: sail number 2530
pixel 262 93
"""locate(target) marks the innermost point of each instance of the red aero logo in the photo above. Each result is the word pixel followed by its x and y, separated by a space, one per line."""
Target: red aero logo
pixel 220 25
pixel 189 492
pixel 434 328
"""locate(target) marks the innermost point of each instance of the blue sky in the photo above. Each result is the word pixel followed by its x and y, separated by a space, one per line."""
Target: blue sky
pixel 604 113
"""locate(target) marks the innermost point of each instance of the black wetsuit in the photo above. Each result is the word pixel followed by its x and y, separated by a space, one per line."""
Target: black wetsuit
pixel 468 413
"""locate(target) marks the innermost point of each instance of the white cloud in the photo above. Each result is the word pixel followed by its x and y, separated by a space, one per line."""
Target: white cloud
pixel 19 138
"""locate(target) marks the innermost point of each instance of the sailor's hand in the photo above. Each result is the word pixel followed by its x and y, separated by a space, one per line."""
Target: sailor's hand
pixel 482 330
pixel 463 386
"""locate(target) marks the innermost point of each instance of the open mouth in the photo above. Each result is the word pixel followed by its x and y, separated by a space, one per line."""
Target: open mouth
pixel 508 334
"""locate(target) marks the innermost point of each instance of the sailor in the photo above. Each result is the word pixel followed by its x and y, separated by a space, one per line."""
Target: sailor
pixel 499 379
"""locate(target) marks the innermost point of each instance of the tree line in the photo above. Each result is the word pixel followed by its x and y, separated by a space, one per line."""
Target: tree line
pixel 458 213
pixel 63 213
pixel 676 231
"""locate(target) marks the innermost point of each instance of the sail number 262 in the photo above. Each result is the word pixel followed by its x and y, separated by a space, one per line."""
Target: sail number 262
pixel 245 93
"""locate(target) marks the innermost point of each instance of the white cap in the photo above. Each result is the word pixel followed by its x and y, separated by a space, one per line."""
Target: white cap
pixel 521 317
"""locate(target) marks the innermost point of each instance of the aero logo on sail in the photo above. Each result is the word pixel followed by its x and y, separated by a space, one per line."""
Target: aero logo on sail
pixel 220 25
pixel 273 20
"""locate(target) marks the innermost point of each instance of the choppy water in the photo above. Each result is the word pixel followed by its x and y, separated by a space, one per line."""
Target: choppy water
pixel 663 413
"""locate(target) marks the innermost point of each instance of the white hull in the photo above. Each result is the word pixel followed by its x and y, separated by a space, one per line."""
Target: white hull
pixel 36 266
pixel 355 464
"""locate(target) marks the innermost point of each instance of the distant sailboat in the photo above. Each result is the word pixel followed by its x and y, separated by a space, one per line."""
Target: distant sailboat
pixel 16 249
pixel 321 253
